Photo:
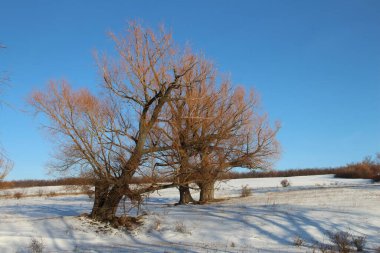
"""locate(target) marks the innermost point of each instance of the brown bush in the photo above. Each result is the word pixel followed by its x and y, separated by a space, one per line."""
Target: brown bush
pixel 51 194
pixel 18 195
pixel 285 183
pixel 365 170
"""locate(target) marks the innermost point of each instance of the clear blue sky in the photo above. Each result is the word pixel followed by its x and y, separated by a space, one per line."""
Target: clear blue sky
pixel 316 65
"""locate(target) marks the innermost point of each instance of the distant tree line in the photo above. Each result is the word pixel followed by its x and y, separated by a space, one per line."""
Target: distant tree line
pixel 366 169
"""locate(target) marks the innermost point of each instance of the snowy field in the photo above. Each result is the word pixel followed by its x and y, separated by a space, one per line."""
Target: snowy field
pixel 267 221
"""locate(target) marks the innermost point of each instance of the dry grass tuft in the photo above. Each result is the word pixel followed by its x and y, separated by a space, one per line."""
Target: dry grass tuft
pixel 246 191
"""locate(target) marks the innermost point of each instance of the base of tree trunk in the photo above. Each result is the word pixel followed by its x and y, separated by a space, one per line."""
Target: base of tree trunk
pixel 185 195
pixel 106 202
pixel 124 221
pixel 207 192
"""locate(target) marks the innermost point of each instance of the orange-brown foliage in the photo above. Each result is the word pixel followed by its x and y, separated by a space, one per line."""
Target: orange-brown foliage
pixel 360 170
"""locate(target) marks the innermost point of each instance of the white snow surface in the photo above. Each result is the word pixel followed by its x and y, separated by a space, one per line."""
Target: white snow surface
pixel 267 221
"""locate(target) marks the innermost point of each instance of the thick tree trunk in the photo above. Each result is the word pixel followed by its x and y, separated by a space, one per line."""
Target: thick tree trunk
pixel 106 203
pixel 207 191
pixel 100 196
pixel 185 195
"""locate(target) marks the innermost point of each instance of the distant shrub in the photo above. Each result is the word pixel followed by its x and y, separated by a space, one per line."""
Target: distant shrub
pixel 40 193
pixel 297 241
pixel 36 245
pixel 246 191
pixel 285 183
pixel 156 225
pixel 359 242
pixel 51 194
pixel 18 195
pixel 342 240
pixel 181 228
pixel 345 242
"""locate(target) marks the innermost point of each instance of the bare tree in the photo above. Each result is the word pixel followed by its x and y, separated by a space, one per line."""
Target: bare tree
pixel 214 130
pixel 111 137
pixel 178 128
pixel 238 135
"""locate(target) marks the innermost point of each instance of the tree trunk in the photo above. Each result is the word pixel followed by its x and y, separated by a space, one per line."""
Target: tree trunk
pixel 100 196
pixel 207 191
pixel 185 195
pixel 106 203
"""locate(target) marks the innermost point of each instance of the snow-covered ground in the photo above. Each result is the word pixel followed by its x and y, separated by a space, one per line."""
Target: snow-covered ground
pixel 267 221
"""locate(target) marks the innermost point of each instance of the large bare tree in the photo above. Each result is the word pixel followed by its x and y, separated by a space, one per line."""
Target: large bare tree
pixel 212 130
pixel 238 135
pixel 110 138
